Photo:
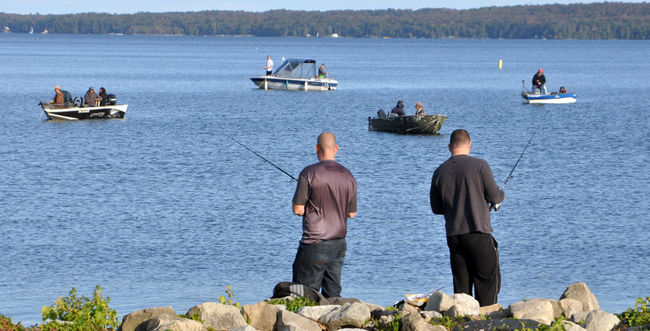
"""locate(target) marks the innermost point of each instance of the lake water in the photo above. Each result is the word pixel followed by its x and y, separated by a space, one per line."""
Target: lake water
pixel 161 208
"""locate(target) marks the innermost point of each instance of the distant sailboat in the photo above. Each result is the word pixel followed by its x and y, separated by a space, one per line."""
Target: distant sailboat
pixel 31 30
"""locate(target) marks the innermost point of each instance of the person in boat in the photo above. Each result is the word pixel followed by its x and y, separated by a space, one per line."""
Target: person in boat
pixel 325 197
pixel 539 82
pixel 61 97
pixel 104 97
pixel 91 98
pixel 418 108
pixel 562 89
pixel 321 71
pixel 269 65
pixel 462 189
pixel 398 110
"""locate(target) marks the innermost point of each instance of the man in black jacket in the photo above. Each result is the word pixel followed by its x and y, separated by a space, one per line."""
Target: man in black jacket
pixel 462 189
pixel 539 81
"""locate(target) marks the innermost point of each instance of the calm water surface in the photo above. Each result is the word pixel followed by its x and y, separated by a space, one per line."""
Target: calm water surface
pixel 161 208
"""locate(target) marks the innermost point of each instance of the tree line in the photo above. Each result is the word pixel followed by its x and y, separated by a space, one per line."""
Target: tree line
pixel 608 20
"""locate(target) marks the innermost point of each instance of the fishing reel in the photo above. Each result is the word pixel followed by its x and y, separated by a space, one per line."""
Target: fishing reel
pixel 495 207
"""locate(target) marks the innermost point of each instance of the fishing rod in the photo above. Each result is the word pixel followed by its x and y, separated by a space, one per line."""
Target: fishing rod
pixel 293 179
pixel 496 207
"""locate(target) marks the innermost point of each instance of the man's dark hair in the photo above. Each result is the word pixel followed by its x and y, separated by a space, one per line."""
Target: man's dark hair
pixel 459 137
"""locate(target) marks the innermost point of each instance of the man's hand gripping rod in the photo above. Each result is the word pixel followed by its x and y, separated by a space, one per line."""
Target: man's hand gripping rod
pixel 496 207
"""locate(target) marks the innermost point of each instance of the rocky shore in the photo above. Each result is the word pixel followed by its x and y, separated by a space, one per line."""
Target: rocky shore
pixel 576 309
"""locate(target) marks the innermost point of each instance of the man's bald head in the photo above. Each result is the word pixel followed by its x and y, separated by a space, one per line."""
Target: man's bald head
pixel 326 146
pixel 459 142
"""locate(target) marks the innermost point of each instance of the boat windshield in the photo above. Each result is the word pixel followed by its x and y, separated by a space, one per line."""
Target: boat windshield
pixel 297 68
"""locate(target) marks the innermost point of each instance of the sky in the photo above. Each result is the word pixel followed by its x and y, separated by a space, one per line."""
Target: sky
pixel 133 6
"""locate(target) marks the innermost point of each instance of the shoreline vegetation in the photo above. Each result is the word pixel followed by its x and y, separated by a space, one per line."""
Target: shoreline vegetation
pixel 576 309
pixel 606 20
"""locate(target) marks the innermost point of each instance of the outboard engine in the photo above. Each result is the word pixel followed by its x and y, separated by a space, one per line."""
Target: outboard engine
pixel 112 99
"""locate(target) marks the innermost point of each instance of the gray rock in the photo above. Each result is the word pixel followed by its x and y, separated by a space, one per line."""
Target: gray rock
pixel 315 312
pixel 493 311
pixel 439 301
pixel 499 324
pixel 132 321
pixel 570 306
pixel 261 316
pixel 429 315
pixel 373 306
pixel 244 328
pixel 218 316
pixel 172 322
pixel 582 293
pixel 464 305
pixel 288 321
pixel 415 322
pixel 570 326
pixel 557 308
pixel 350 314
pixel 408 308
pixel 579 317
pixel 539 310
pixel 599 320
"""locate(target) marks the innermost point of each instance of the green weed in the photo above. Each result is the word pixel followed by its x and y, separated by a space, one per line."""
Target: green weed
pixel 79 313
pixel 639 316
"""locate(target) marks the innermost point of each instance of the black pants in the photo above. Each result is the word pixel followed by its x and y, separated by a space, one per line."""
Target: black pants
pixel 475 263
pixel 319 265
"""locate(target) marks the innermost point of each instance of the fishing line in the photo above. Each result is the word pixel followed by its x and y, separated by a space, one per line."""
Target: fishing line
pixel 293 179
pixel 496 207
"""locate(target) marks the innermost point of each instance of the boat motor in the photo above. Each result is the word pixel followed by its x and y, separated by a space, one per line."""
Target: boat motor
pixel 111 100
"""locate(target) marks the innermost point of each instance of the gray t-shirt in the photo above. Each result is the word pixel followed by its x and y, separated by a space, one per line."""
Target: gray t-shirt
pixel 329 192
pixel 462 189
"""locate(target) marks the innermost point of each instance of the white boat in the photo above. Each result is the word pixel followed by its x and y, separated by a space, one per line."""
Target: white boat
pixel 296 74
pixel 563 96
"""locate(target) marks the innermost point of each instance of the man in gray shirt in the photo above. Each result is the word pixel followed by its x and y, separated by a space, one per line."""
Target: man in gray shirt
pixel 462 189
pixel 326 195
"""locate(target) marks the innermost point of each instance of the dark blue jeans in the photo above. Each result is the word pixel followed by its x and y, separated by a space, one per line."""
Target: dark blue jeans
pixel 319 266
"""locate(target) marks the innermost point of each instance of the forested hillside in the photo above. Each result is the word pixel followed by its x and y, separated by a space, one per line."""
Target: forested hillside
pixel 607 20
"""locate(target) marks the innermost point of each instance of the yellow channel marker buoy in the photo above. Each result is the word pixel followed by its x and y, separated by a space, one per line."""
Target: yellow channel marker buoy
pixel 500 64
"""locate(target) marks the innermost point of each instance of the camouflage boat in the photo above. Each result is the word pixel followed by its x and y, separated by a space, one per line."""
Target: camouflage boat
pixel 411 124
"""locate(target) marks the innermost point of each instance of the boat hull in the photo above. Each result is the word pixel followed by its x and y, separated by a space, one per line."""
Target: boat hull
pixel 295 84
pixel 84 113
pixel 413 124
pixel 552 98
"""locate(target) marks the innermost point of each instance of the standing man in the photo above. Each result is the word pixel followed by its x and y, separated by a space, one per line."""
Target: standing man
pixel 326 195
pixel 269 65
pixel 462 189
pixel 539 81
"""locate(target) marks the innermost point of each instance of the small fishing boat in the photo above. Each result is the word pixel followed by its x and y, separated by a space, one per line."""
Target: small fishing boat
pixel 75 111
pixel 559 97
pixel 410 124
pixel 296 74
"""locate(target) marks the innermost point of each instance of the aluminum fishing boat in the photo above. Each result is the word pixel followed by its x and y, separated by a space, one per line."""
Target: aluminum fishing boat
pixel 296 74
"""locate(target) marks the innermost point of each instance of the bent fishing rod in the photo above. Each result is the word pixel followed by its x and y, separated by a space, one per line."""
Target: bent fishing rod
pixel 293 179
pixel 496 207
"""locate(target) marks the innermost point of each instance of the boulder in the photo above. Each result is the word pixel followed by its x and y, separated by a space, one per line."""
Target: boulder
pixel 430 314
pixel 582 293
pixel 244 328
pixel 539 310
pixel 262 316
pixel 172 322
pixel 315 312
pixel 218 316
pixel 493 311
pixel 570 306
pixel 289 321
pixel 351 314
pixel 579 317
pixel 373 306
pixel 499 324
pixel 599 320
pixel 557 308
pixel 463 305
pixel 132 321
pixel 439 301
pixel 570 326
pixel 415 322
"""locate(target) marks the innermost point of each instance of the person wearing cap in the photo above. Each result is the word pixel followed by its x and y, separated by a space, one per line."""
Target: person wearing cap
pixel 538 82
pixel 58 97
pixel 91 98
pixel 418 108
